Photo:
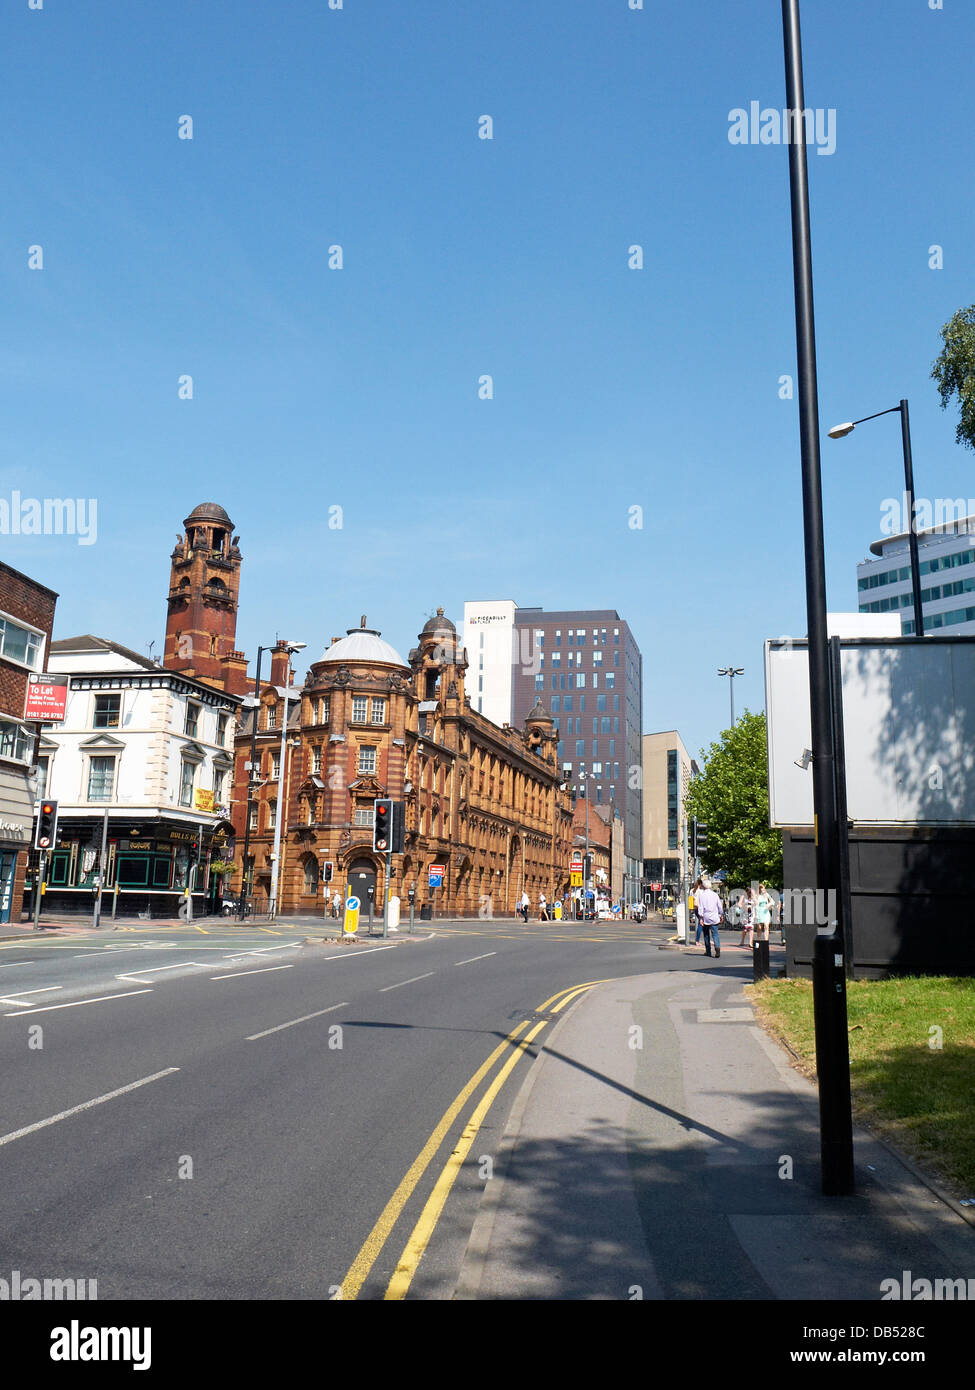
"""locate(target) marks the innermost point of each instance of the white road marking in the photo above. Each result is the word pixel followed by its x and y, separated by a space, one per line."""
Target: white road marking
pixel 408 982
pixel 158 969
pixel 19 994
pixel 46 1008
pixel 9 964
pixel 86 1105
pixel 304 1019
pixel 474 958
pixel 371 952
pixel 265 970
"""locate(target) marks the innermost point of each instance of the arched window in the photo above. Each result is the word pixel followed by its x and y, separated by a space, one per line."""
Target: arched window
pixel 311 874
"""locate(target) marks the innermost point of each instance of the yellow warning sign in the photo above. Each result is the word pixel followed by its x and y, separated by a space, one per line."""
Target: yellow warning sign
pixel 351 923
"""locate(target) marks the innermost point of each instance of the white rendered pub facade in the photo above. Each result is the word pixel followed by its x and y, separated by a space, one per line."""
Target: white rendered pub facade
pixel 144 760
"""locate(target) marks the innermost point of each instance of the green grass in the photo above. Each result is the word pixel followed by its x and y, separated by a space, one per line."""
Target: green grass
pixel 919 1096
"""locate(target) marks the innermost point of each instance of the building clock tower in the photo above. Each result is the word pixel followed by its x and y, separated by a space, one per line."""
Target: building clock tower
pixel 201 623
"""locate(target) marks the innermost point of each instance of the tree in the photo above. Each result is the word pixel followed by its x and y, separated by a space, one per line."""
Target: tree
pixel 731 797
pixel 954 371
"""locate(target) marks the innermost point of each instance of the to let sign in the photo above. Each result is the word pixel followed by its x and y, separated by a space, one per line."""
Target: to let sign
pixel 47 698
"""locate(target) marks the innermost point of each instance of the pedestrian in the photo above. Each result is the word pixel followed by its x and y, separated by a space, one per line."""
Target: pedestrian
pixel 542 908
pixel 709 914
pixel 336 903
pixel 764 906
pixel 695 919
pixel 747 906
pixel 523 906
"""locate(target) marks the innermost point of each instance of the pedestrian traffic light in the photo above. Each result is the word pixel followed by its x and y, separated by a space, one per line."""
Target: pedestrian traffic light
pixel 47 825
pixel 382 825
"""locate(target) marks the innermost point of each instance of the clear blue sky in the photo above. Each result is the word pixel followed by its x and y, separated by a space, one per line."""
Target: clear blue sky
pixel 358 388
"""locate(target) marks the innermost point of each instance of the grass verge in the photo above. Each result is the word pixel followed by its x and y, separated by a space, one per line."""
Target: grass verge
pixel 912 1062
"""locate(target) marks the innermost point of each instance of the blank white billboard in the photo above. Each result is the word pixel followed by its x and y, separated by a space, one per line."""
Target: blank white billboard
pixel 909 728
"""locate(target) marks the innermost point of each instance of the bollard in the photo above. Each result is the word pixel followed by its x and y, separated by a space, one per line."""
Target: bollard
pixel 760 961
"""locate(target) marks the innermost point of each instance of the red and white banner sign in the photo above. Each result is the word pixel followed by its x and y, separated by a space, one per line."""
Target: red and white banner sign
pixel 47 697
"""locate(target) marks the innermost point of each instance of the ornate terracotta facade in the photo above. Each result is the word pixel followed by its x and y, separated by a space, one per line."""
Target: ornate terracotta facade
pixel 484 801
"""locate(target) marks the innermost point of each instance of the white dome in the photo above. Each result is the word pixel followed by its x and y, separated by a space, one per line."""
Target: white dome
pixel 363 644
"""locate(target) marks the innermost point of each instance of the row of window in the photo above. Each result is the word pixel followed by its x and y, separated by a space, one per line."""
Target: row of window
pixel 933 620
pixel 577 636
pixel 564 703
pixel 937 591
pixel 940 562
pixel 366 709
pixel 556 659
pixel 107 714
pixel 578 680
pixel 603 724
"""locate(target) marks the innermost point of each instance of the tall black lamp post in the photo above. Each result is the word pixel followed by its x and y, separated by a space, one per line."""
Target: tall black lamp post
pixel 242 910
pixel 838 432
pixel 829 973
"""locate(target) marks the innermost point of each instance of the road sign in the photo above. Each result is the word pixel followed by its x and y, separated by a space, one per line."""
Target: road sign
pixel 351 923
pixel 655 888
pixel 575 864
pixel 575 878
pixel 437 872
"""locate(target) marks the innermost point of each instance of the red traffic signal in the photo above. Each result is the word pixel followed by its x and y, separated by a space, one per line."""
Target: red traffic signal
pixel 382 824
pixel 47 825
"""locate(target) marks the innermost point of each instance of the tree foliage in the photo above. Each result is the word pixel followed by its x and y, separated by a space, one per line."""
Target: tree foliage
pixel 954 371
pixel 731 797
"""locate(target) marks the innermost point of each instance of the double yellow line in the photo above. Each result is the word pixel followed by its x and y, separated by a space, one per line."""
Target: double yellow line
pixel 514 1044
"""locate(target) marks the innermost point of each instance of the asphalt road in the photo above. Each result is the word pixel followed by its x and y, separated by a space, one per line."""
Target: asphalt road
pixel 239 1114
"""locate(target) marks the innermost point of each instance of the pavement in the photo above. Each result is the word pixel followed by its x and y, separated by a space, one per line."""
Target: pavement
pixel 663 1147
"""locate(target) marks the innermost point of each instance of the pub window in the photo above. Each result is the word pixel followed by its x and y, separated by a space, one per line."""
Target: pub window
pixel 192 725
pixel 221 729
pixel 186 784
pixel 107 711
pixel 101 779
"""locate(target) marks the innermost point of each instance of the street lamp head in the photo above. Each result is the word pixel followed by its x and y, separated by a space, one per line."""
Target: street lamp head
pixel 838 431
pixel 294 646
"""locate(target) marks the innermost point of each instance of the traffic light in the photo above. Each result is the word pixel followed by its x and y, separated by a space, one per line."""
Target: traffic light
pixel 692 837
pixel 702 838
pixel 382 825
pixel 47 825
pixel 587 867
pixel 327 871
pixel 399 825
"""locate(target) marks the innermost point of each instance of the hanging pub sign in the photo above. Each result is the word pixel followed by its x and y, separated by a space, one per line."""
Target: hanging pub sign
pixel 47 698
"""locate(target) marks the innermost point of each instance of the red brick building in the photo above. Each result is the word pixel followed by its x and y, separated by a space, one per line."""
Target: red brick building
pixel 26 620
pixel 485 801
pixel 204 592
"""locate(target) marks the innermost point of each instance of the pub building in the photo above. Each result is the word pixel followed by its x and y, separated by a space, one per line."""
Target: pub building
pixel 141 762
pixel 26 617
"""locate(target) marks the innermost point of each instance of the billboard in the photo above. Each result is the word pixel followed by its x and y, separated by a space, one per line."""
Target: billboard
pixel 47 698
pixel 908 724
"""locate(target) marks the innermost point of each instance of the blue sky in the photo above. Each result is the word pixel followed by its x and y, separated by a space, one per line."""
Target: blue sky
pixel 358 388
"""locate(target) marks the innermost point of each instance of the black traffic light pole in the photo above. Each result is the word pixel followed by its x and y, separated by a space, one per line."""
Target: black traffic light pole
pixel 829 979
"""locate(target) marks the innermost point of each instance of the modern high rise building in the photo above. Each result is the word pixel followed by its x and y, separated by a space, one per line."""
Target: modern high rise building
pixel 488 637
pixel 667 772
pixel 947 560
pixel 587 669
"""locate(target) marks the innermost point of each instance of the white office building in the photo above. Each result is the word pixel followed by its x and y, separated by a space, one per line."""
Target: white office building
pixel 489 631
pixel 947 562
